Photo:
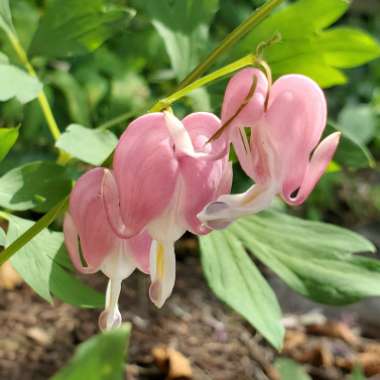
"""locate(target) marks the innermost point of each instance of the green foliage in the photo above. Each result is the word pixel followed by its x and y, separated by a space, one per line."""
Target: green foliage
pixel 357 374
pixel 358 122
pixel 235 279
pixel 38 265
pixel 2 237
pixel 183 26
pixel 16 83
pixel 8 137
pixel 306 47
pixel 6 17
pixel 76 101
pixel 351 153
pixel 72 27
pixel 89 145
pixel 315 259
pixel 38 185
pixel 100 358
pixel 290 370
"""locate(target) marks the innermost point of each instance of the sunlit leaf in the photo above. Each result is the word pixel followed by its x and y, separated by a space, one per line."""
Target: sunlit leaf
pixel 36 264
pixel 306 47
pixel 8 137
pixel 102 357
pixel 16 83
pixel 89 145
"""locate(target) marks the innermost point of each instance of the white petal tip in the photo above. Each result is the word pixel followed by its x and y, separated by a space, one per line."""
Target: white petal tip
pixel 155 294
pixel 109 321
pixel 212 217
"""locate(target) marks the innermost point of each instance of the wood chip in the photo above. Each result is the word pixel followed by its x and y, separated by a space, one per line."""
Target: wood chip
pixel 172 363
pixel 9 278
pixel 335 329
pixel 38 335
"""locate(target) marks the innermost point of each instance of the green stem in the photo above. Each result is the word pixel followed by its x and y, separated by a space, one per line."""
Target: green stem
pixel 28 235
pixel 248 60
pixel 42 99
pixel 118 119
pixel 259 15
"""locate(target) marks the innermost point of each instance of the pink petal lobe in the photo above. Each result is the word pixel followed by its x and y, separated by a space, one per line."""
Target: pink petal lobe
pixel 145 169
pixel 204 179
pixel 320 159
pixel 139 248
pixel 88 215
pixel 236 92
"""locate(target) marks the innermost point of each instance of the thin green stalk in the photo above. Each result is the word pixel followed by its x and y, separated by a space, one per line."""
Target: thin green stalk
pixel 28 235
pixel 244 28
pixel 42 99
pixel 118 119
pixel 248 60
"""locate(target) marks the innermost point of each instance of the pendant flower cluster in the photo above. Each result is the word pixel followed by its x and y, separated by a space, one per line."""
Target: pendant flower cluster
pixel 171 176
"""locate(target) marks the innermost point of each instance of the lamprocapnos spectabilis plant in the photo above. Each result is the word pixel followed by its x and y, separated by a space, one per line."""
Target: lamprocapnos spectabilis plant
pixel 171 176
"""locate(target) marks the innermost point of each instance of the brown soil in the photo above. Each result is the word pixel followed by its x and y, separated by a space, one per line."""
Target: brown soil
pixel 36 339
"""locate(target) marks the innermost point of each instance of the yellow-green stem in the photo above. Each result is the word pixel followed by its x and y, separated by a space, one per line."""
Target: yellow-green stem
pixel 48 114
pixel 248 60
pixel 239 32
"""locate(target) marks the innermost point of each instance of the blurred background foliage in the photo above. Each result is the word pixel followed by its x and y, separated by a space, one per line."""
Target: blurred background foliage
pixel 142 62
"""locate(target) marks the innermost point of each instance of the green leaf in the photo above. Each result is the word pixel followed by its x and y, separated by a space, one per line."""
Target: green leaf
pixel 2 237
pixel 75 96
pixel 307 48
pixel 234 278
pixel 16 83
pixel 8 137
pixel 290 370
pixel 100 358
pixel 72 27
pixel 357 374
pixel 347 47
pixel 89 145
pixel 313 258
pixel 35 262
pixel 359 122
pixel 6 18
pixel 38 185
pixel 350 153
pixel 183 26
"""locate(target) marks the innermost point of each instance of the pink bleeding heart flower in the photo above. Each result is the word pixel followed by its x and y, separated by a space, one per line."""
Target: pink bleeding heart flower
pixel 284 155
pixel 102 249
pixel 165 172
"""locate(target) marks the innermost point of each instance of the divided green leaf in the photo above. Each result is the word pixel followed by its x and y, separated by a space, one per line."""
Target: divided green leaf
pixel 8 137
pixel 102 357
pixel 38 185
pixel 306 47
pixel 37 265
pixel 315 259
pixel 235 279
pixel 69 28
pixel 92 146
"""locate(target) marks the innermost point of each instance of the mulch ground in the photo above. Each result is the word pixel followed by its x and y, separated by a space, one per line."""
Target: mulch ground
pixel 36 339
